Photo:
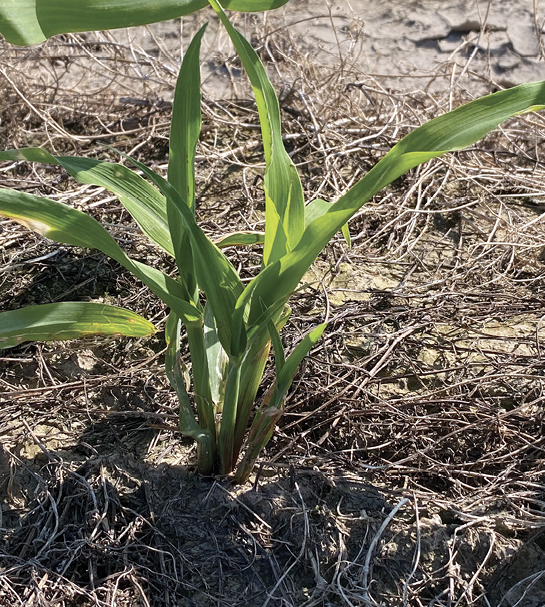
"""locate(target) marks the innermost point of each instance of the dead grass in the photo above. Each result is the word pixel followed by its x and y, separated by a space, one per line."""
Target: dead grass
pixel 408 468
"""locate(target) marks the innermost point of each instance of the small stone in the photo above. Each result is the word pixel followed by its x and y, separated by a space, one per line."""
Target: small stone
pixel 523 38
pixel 509 61
pixel 86 361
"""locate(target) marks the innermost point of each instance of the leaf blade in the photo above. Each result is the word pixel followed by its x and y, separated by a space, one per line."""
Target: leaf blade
pixel 146 205
pixel 25 22
pixel 69 320
pixel 284 192
pixel 65 224
pixel 458 129
pixel 185 127
pixel 184 134
pixel 215 273
pixel 240 239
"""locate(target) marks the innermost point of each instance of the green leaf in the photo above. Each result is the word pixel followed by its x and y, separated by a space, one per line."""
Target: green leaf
pixel 185 127
pixel 69 320
pixel 139 197
pixel 284 193
pixel 216 357
pixel 62 223
pixel 226 435
pixel 184 135
pixel 25 22
pixel 271 410
pixel 315 208
pixel 240 239
pixel 346 233
pixel 177 378
pixel 319 207
pixel 216 276
pixel 453 131
pixel 276 238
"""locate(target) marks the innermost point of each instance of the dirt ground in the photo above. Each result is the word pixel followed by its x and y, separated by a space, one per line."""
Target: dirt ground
pixel 408 467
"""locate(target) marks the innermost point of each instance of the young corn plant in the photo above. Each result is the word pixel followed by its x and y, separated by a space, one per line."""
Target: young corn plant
pixel 230 335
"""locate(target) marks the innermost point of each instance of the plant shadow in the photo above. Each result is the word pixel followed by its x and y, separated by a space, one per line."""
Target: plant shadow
pixel 97 522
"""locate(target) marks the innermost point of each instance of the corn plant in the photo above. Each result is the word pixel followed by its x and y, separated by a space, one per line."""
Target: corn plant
pixel 231 333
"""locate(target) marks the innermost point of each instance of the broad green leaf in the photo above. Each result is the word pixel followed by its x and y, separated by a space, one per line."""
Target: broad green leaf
pixel 276 238
pixel 26 22
pixel 240 239
pixel 319 207
pixel 453 131
pixel 62 223
pixel 69 320
pixel 139 197
pixel 260 325
pixel 315 208
pixel 185 127
pixel 216 276
pixel 146 205
pixel 284 193
pixel 184 135
pixel 220 282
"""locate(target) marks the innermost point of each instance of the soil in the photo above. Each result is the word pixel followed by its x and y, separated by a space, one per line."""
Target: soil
pixel 408 467
pixel 424 44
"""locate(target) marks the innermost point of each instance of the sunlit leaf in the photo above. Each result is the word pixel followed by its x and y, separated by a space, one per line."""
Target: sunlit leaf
pixel 216 276
pixel 69 320
pixel 217 359
pixel 284 193
pixel 453 131
pixel 184 135
pixel 25 22
pixel 240 239
pixel 138 196
pixel 319 207
pixel 65 224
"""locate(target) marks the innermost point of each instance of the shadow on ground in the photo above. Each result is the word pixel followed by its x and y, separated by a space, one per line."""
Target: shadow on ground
pixel 93 524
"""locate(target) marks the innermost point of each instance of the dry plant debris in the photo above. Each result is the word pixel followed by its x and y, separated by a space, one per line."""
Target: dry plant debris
pixel 408 469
